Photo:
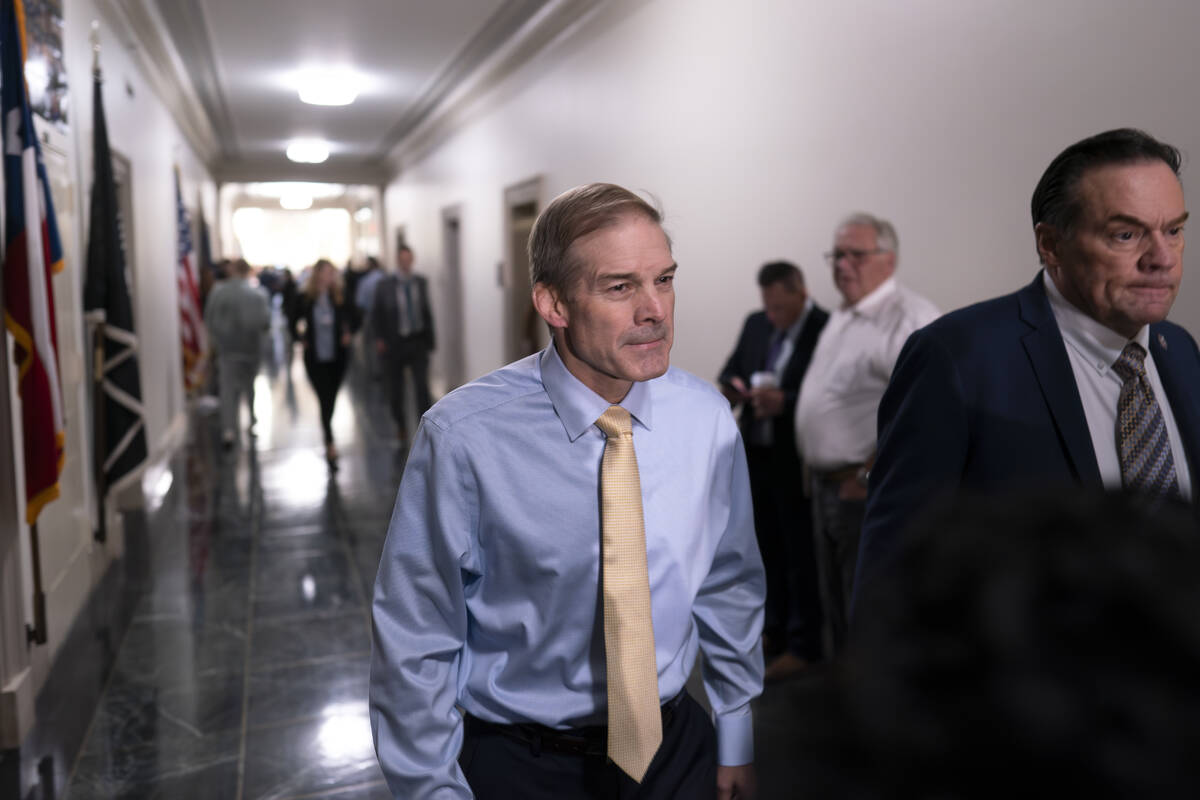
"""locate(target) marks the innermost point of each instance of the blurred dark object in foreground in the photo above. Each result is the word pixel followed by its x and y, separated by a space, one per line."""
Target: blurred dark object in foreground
pixel 1041 646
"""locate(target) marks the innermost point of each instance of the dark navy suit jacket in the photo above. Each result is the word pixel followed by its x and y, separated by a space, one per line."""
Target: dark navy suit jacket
pixel 749 357
pixel 984 400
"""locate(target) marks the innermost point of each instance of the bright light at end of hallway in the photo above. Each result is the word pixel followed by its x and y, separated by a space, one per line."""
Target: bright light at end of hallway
pixel 308 151
pixel 328 87
pixel 297 201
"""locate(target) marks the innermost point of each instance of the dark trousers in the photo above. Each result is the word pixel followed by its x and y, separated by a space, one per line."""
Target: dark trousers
pixel 407 358
pixel 837 525
pixel 499 766
pixel 326 379
pixel 783 524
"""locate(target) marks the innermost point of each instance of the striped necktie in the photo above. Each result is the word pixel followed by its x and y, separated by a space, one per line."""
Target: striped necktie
pixel 1143 445
pixel 634 715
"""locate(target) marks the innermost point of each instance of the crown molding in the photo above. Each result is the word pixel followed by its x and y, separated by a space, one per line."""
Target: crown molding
pixel 251 170
pixel 145 36
pixel 517 33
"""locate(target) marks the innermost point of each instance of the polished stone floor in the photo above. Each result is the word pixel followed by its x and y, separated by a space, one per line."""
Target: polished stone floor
pixel 244 671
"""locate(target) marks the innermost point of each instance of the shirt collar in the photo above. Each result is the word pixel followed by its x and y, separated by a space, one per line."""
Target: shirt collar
pixel 794 330
pixel 1099 345
pixel 577 406
pixel 869 305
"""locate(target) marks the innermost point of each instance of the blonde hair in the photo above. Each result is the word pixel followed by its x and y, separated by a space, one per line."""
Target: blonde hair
pixel 310 283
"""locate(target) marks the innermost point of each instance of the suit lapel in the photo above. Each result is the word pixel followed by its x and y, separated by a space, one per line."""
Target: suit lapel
pixel 1180 380
pixel 806 342
pixel 1048 356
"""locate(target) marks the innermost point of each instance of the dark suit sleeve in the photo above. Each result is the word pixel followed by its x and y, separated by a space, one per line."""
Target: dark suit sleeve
pixel 298 311
pixel 427 311
pixel 381 321
pixel 923 444
pixel 736 365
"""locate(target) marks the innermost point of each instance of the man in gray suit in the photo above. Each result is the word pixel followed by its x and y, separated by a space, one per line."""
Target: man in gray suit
pixel 236 316
pixel 402 325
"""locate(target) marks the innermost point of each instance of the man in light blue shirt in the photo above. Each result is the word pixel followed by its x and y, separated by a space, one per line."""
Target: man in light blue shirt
pixel 488 672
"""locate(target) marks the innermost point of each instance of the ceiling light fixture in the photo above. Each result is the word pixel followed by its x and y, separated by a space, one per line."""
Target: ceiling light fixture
pixel 364 214
pixel 328 87
pixel 308 151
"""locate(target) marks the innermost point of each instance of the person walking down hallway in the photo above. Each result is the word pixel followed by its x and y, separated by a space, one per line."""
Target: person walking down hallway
pixel 835 415
pixel 1075 380
pixel 364 299
pixel 236 316
pixel 402 324
pixel 571 532
pixel 763 377
pixel 327 326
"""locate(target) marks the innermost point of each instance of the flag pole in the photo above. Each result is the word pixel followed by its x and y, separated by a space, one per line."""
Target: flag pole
pixel 98 415
pixel 36 634
pixel 98 426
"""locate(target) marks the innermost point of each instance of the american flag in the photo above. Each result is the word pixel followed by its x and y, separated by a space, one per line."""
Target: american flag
pixel 191 321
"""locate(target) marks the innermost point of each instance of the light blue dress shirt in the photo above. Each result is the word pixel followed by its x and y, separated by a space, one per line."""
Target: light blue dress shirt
pixel 487 595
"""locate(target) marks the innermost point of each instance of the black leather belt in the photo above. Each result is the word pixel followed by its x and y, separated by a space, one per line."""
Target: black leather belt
pixel 590 740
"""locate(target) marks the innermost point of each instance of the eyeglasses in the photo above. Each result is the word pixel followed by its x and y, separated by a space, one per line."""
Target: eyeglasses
pixel 853 256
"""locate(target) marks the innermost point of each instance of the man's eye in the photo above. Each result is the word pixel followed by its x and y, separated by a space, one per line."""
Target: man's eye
pixel 1125 236
pixel 1176 231
pixel 667 279
pixel 617 288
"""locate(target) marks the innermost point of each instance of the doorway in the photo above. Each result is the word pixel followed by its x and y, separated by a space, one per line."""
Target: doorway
pixel 453 331
pixel 525 332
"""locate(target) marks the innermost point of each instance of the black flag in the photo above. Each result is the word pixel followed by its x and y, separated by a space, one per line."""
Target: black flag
pixel 121 448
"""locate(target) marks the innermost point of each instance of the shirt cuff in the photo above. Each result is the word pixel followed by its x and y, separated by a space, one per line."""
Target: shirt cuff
pixel 735 738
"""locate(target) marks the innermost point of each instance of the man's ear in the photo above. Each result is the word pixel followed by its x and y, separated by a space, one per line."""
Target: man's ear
pixel 550 305
pixel 1048 243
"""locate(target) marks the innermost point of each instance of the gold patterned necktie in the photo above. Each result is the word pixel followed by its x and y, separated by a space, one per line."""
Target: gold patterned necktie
pixel 634 715
pixel 1143 445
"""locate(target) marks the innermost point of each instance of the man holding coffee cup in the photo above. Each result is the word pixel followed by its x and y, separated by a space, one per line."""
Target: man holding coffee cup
pixel 763 377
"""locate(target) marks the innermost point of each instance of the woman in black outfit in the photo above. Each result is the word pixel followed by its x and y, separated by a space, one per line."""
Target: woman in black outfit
pixel 325 332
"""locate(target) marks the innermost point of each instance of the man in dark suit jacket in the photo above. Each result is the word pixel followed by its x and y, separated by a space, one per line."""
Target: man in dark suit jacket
pixel 1052 385
pixel 763 376
pixel 402 325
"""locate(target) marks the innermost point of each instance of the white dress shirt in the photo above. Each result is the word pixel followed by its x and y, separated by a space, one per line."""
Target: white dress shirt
pixel 1093 349
pixel 850 368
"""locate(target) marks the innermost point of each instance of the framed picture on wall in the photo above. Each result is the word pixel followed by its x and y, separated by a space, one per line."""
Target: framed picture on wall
pixel 45 70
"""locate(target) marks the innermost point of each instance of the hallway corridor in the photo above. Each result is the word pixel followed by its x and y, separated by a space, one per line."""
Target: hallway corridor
pixel 244 671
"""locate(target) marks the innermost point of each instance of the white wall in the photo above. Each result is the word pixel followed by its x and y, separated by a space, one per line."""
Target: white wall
pixel 760 124
pixel 141 129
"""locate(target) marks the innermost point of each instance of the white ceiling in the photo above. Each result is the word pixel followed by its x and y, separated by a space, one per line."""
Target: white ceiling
pixel 239 58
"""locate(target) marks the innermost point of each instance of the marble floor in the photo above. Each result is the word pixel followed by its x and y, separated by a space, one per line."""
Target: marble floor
pixel 243 673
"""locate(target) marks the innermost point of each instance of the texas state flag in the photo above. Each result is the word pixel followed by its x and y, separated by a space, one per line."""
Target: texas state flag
pixel 32 254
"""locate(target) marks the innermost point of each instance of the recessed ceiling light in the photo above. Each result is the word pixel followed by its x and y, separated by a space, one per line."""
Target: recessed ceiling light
pixel 328 87
pixel 308 151
pixel 364 214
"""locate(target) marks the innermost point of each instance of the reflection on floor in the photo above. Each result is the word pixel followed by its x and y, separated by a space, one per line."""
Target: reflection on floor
pixel 244 671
